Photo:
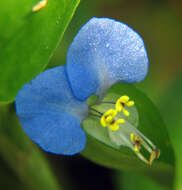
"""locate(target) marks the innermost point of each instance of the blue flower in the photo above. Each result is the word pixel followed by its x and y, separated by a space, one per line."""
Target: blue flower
pixel 52 106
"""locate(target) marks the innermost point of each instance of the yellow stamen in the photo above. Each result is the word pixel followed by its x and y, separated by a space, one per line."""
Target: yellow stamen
pixel 132 137
pixel 108 117
pixel 154 154
pixel 152 157
pixel 130 103
pixel 120 121
pixel 125 112
pixel 122 102
pixel 136 142
pixel 136 148
pixel 115 125
pixel 157 153
pixel 124 99
pixel 128 135
pixel 41 4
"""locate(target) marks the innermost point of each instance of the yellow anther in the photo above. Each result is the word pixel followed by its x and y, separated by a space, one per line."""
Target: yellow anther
pixel 103 122
pixel 126 113
pixel 158 152
pixel 136 149
pixel 136 142
pixel 124 99
pixel 132 138
pixel 115 125
pixel 152 157
pixel 122 102
pixel 130 103
pixel 41 4
pixel 108 117
pixel 120 121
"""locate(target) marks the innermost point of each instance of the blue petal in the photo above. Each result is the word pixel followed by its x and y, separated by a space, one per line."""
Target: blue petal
pixel 105 52
pixel 50 114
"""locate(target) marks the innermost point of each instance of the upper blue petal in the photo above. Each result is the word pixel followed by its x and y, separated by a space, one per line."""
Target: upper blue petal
pixel 50 114
pixel 103 52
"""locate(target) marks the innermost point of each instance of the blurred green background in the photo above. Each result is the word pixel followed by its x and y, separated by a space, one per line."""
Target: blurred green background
pixel 159 22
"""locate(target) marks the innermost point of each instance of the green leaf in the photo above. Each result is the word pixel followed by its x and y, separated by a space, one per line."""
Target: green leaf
pixel 100 149
pixel 171 109
pixel 22 156
pixel 28 40
pixel 137 180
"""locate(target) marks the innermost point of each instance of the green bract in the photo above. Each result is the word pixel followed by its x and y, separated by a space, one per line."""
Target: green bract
pixel 100 147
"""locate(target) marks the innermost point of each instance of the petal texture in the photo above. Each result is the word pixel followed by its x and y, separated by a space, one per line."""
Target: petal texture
pixel 50 114
pixel 104 52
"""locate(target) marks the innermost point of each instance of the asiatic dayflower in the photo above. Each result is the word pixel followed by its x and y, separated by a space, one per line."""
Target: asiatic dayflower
pixel 52 106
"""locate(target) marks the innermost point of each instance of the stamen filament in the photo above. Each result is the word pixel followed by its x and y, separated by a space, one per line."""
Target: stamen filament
pixel 154 153
pixel 142 141
pixel 146 139
pixel 95 115
pixel 96 111
pixel 108 102
pixel 142 157
pixel 146 146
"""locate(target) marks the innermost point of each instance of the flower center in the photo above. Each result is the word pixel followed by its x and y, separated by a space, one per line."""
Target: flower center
pixel 121 132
